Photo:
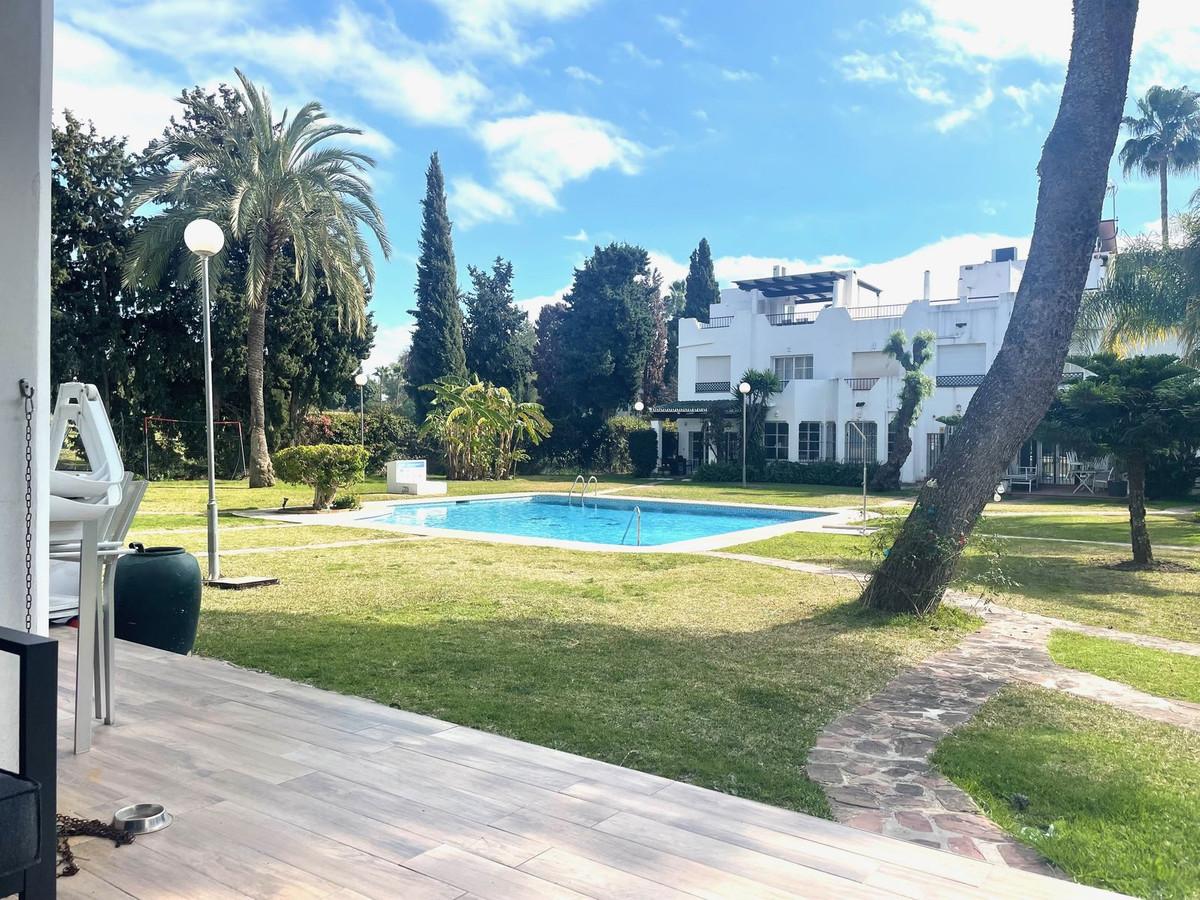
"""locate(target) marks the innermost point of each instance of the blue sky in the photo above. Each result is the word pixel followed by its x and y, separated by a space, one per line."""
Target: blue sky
pixel 887 136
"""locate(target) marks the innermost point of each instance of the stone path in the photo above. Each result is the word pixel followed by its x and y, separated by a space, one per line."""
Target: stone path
pixel 873 762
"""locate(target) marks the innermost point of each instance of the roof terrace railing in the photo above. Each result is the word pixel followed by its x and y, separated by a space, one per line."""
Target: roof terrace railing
pixel 959 380
pixel 792 318
pixel 718 322
pixel 861 384
pixel 894 311
pixel 712 387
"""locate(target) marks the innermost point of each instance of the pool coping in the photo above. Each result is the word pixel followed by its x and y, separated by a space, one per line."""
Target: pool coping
pixel 824 517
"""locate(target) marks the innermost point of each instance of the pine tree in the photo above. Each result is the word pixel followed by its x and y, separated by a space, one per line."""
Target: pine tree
pixel 702 290
pixel 498 338
pixel 437 344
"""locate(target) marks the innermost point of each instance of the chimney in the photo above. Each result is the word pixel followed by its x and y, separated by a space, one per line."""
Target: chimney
pixel 927 285
pixel 775 271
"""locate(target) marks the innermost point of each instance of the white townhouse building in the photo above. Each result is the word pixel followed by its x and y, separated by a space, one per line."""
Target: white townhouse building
pixel 823 333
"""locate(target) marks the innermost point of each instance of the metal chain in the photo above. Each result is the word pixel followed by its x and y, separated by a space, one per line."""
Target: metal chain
pixel 27 397
pixel 69 826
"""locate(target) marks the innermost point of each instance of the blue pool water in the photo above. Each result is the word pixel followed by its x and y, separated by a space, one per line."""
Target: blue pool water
pixel 598 521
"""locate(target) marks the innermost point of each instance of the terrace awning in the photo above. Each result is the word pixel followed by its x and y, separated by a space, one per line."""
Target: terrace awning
pixel 806 287
pixel 676 409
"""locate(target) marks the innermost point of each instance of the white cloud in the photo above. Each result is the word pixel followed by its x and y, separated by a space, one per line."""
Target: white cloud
pixel 738 75
pixel 471 203
pixel 97 82
pixel 633 51
pixel 533 305
pixel 673 25
pixel 581 236
pixel 390 342
pixel 495 26
pixel 729 268
pixel 923 84
pixel 965 113
pixel 902 278
pixel 535 156
pixel 582 75
pixel 357 51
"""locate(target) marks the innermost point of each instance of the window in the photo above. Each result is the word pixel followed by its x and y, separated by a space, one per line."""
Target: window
pixel 892 431
pixel 793 368
pixel 809 434
pixel 858 449
pixel 696 447
pixel 775 440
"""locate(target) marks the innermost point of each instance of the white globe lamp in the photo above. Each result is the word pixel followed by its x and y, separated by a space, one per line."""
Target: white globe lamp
pixel 204 237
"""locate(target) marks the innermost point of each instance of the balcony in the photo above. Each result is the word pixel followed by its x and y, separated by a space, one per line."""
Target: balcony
pixel 718 322
pixel 861 384
pixel 894 311
pixel 959 380
pixel 712 387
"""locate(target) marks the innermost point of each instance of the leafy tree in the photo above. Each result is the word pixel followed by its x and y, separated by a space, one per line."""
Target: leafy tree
pixel 481 427
pixel 764 384
pixel 654 376
pixel 916 387
pixel 1024 379
pixel 393 386
pixel 327 468
pixel 701 290
pixel 277 189
pixel 1150 293
pixel 1165 137
pixel 606 333
pixel 89 232
pixel 437 343
pixel 498 338
pixel 674 303
pixel 1133 411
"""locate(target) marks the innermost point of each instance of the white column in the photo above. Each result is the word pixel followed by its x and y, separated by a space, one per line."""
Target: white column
pixel 26 28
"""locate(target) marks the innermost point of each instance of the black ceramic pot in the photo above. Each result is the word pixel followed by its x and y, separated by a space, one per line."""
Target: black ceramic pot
pixel 157 598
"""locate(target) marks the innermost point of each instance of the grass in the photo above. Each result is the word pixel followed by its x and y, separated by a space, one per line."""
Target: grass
pixel 1159 672
pixel 607 655
pixel 1113 799
pixel 1167 530
pixel 773 494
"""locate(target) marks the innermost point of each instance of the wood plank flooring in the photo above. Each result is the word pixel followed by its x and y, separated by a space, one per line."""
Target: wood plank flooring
pixel 282 790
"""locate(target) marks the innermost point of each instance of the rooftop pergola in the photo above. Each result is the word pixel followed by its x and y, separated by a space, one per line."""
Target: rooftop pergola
pixel 806 287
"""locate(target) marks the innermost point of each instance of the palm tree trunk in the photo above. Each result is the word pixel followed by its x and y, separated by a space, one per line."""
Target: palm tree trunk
pixel 262 473
pixel 1162 202
pixel 1025 375
pixel 1139 537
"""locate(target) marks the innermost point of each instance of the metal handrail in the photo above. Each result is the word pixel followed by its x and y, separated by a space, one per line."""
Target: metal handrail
pixel 718 322
pixel 583 487
pixel 594 483
pixel 636 515
pixel 792 318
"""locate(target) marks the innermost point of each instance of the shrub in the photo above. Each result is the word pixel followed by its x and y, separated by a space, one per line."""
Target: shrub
pixel 643 451
pixel 609 447
pixel 1171 476
pixel 718 471
pixel 389 435
pixel 346 501
pixel 830 473
pixel 325 467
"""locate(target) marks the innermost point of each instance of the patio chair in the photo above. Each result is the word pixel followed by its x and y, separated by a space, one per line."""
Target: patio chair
pixel 1024 475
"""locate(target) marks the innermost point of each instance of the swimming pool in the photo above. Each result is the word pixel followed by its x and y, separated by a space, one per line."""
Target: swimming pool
pixel 599 520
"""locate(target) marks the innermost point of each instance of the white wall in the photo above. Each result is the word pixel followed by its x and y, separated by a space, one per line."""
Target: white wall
pixel 25 41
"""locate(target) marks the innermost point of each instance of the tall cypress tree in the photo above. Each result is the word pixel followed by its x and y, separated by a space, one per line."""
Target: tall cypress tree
pixel 702 290
pixel 437 343
pixel 497 335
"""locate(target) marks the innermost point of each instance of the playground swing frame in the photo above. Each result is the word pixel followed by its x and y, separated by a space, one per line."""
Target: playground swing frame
pixel 146 420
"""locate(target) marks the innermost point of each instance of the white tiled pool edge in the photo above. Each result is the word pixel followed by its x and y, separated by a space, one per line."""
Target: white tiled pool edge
pixel 366 518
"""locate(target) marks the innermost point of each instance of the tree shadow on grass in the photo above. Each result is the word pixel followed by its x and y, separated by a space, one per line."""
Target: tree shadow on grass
pixel 735 712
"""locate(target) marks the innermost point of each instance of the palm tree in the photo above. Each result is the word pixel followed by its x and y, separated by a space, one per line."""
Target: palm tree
pixel 280 193
pixel 1165 138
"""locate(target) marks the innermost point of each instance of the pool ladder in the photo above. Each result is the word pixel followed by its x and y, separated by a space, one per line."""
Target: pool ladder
pixel 635 516
pixel 592 482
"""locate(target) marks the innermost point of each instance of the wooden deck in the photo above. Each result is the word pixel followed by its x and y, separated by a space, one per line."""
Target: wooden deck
pixel 282 790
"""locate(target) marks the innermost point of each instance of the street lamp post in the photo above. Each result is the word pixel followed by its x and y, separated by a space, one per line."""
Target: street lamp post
pixel 361 380
pixel 744 390
pixel 857 423
pixel 205 239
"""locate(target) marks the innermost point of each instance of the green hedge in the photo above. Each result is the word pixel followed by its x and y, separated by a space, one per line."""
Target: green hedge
pixel 389 435
pixel 325 467
pixel 643 451
pixel 831 473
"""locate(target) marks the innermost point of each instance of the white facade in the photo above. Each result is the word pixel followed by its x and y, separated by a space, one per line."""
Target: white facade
pixel 826 342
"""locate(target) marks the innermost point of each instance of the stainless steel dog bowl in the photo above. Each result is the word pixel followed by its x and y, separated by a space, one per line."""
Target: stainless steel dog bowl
pixel 141 818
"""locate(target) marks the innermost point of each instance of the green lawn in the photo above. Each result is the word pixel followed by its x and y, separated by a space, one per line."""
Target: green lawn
pixel 774 494
pixel 1159 672
pixel 608 655
pixel 1174 530
pixel 1112 799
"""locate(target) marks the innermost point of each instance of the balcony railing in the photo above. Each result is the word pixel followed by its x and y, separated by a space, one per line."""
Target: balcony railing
pixel 959 380
pixel 792 318
pixel 861 384
pixel 895 311
pixel 718 322
pixel 712 387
